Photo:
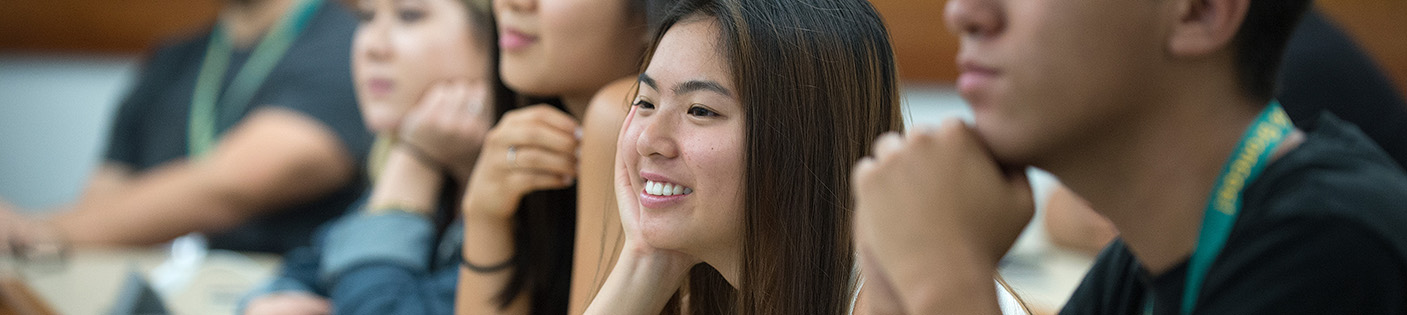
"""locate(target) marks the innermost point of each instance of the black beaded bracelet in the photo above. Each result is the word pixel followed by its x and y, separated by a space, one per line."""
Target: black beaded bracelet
pixel 486 269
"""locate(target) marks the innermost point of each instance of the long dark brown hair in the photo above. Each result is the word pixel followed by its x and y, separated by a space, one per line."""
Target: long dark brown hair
pixel 818 83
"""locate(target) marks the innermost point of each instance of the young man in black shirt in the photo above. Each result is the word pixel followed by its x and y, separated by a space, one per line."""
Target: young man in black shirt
pixel 1160 114
pixel 248 132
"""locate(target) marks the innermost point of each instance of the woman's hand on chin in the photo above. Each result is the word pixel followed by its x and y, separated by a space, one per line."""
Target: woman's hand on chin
pixel 448 126
pixel 628 199
pixel 644 277
pixel 532 148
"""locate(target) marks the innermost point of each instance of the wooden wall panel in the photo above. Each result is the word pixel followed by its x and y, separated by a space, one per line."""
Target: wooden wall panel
pixel 1380 27
pixel 924 48
pixel 98 26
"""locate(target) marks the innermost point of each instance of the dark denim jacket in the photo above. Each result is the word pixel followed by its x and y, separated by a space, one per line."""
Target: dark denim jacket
pixel 387 263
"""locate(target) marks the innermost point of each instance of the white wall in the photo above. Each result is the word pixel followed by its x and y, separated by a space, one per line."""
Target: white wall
pixel 54 116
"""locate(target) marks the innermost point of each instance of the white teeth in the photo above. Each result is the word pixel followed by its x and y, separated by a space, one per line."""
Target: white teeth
pixel 663 189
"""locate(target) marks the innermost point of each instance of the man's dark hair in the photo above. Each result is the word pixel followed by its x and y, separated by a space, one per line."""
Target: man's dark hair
pixel 1260 43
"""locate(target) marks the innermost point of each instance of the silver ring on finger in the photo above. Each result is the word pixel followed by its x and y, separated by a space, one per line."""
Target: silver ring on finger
pixel 513 156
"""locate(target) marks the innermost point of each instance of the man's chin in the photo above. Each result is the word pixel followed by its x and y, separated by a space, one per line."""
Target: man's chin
pixel 1010 152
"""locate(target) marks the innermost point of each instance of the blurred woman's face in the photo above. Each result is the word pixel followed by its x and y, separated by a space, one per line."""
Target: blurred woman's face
pixel 402 47
pixel 684 146
pixel 567 47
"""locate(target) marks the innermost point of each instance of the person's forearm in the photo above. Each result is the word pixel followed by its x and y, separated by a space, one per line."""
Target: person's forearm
pixel 960 288
pixel 488 242
pixel 273 158
pixel 166 203
pixel 639 284
pixel 406 184
pixel 108 182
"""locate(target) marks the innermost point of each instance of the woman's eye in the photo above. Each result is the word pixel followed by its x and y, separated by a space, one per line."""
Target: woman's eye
pixel 700 111
pixel 411 15
pixel 643 104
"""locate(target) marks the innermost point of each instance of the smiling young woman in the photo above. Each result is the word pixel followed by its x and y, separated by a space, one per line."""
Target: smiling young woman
pixel 733 166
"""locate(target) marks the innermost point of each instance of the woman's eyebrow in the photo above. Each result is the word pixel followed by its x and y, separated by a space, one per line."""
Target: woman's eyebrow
pixel 701 85
pixel 647 80
pixel 688 86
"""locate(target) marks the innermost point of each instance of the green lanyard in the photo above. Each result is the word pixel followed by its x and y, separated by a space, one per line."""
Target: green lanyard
pixel 201 129
pixel 1247 161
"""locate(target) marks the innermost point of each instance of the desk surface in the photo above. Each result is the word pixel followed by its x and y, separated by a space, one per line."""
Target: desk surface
pixel 91 279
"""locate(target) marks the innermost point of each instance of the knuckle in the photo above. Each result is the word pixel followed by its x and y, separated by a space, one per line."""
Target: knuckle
pixel 493 136
pixel 517 114
pixel 952 132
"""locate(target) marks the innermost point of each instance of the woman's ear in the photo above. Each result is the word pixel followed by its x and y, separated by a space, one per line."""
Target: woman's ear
pixel 1205 26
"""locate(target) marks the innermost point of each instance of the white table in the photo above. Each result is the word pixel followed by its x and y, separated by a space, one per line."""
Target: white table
pixel 90 281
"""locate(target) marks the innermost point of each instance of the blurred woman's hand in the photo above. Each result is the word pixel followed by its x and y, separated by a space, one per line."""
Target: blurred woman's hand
pixel 530 149
pixel 449 125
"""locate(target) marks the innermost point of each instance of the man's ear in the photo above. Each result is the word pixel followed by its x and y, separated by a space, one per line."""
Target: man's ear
pixel 1205 26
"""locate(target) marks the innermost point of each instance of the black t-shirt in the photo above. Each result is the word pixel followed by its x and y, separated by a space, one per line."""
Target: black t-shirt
pixel 313 78
pixel 1322 231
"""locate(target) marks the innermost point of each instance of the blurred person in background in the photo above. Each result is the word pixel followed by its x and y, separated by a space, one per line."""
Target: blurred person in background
pixel 540 226
pixel 424 70
pixel 248 132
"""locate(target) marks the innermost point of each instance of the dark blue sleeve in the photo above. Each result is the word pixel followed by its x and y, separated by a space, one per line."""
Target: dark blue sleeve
pixel 297 274
pixel 381 264
pixel 380 288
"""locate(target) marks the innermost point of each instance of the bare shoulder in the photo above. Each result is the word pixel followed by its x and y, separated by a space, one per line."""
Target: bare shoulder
pixel 609 107
pixel 601 127
pixel 599 234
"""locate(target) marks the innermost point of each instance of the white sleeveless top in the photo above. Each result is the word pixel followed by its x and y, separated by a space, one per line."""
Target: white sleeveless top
pixel 1007 302
pixel 857 281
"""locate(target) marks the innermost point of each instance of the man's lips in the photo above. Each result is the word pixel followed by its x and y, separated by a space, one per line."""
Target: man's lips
pixel 975 78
